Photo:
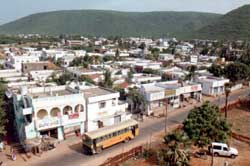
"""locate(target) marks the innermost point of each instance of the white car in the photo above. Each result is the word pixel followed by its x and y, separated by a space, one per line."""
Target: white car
pixel 222 149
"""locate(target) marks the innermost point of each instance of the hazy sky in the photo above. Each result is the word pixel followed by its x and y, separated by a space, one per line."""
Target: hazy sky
pixel 13 9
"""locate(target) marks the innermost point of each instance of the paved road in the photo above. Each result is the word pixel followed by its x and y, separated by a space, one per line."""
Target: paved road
pixel 76 157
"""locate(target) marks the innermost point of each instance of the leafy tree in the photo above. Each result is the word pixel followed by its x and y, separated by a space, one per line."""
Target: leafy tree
pixel 107 83
pixel 122 92
pixel 150 71
pixel 237 72
pixel 153 57
pixel 130 76
pixel 155 50
pixel 86 79
pixel 204 125
pixel 117 55
pixel 97 60
pixel 204 51
pixel 216 70
pixel 143 47
pixel 108 58
pixel 137 99
pixel 191 69
pixel 245 58
pixel 62 79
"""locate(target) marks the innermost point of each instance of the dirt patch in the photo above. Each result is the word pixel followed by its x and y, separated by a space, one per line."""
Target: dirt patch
pixel 240 119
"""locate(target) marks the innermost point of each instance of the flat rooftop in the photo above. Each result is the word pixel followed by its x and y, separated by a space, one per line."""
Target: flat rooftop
pixel 93 92
pixel 52 93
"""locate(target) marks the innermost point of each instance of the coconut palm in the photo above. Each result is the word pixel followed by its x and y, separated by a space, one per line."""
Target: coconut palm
pixel 175 154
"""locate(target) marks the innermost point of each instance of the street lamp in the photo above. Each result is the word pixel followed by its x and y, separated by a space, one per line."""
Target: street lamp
pixel 227 92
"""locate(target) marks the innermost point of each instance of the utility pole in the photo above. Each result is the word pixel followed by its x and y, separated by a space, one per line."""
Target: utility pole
pixel 227 88
pixel 166 114
pixel 212 162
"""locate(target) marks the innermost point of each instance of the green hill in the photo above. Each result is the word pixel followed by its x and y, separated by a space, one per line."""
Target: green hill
pixel 111 23
pixel 233 25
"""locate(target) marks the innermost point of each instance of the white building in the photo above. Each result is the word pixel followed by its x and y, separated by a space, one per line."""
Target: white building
pixel 212 86
pixel 166 57
pixel 15 62
pixel 175 93
pixel 145 78
pixel 60 111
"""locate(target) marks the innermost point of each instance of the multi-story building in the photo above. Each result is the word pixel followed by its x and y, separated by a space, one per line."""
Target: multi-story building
pixel 172 91
pixel 59 111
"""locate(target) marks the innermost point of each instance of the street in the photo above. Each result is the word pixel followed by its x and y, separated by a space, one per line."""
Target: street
pixel 74 155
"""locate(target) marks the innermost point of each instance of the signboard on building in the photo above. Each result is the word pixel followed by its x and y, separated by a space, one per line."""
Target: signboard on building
pixel 47 123
pixel 169 93
pixel 156 96
pixel 74 116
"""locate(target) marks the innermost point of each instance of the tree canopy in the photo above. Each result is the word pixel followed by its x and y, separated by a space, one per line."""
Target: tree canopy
pixel 216 70
pixel 237 71
pixel 204 125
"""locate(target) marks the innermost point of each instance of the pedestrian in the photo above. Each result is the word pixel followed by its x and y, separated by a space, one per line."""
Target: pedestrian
pixel 1 146
pixel 13 155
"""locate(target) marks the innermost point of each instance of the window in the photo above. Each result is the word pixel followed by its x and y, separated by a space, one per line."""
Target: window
pixel 216 147
pixel 45 67
pixel 113 102
pixel 225 149
pixel 102 105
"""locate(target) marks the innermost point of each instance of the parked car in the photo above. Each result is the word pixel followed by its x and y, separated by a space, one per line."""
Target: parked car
pixel 222 149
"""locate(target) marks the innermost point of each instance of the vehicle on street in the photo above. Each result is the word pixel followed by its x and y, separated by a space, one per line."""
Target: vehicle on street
pixel 222 149
pixel 95 141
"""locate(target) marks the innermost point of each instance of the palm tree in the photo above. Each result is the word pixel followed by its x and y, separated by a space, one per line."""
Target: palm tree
pixel 117 55
pixel 175 153
pixel 191 69
pixel 227 88
pixel 107 83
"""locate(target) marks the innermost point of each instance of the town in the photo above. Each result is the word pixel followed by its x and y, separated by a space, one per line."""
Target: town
pixel 92 100
pixel 66 88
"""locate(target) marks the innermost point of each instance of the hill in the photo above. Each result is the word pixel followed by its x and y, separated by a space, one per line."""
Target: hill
pixel 111 23
pixel 233 25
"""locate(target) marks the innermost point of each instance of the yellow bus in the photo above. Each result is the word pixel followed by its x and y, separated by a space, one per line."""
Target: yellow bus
pixel 95 141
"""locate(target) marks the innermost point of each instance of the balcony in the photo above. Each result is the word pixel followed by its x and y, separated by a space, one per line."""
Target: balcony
pixel 73 118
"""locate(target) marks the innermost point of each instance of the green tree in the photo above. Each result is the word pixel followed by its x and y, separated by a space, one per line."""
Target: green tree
pixel 143 46
pixel 108 58
pixel 176 153
pixel 150 71
pixel 191 72
pixel 86 79
pixel 204 125
pixel 117 55
pixel 216 70
pixel 245 58
pixel 107 82
pixel 130 75
pixel 237 72
pixel 62 79
pixel 137 100
pixel 122 92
